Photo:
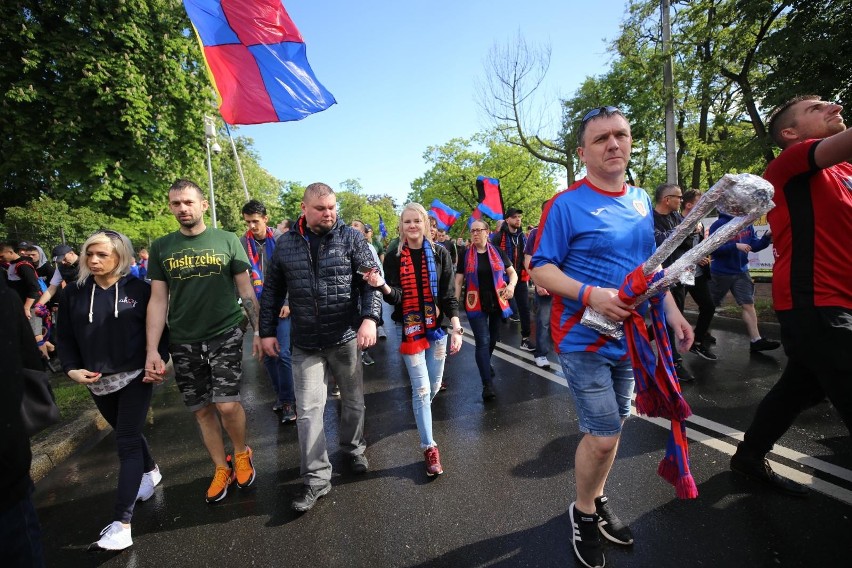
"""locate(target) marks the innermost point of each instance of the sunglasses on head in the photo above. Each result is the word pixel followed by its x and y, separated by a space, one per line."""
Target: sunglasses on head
pixel 596 111
pixel 107 232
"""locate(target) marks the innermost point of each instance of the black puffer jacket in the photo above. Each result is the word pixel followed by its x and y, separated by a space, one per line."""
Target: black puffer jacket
pixel 324 306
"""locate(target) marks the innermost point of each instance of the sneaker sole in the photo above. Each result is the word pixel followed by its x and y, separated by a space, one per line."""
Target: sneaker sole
pixel 218 497
pixel 322 493
pixel 702 355
pixel 248 483
pixel 435 474
pixel 610 537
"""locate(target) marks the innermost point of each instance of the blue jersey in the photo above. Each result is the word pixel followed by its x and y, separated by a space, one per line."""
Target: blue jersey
pixel 597 238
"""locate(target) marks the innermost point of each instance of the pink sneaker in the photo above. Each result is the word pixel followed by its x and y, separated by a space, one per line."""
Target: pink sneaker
pixel 433 462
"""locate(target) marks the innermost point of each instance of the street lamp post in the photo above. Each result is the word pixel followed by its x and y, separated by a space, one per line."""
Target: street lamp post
pixel 210 134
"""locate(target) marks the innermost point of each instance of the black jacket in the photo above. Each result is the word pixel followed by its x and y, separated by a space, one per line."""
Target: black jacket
pixel 446 300
pixel 324 305
pixel 108 344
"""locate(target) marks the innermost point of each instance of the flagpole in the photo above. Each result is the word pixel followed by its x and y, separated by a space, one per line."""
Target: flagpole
pixel 237 159
pixel 210 133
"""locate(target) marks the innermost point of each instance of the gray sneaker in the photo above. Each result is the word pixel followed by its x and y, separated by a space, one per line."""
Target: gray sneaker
pixel 360 464
pixel 288 414
pixel 309 497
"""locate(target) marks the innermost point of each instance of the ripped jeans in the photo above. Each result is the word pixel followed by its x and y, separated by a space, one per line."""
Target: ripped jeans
pixel 425 369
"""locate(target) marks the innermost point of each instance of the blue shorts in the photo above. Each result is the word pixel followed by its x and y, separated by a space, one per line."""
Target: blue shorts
pixel 740 285
pixel 602 389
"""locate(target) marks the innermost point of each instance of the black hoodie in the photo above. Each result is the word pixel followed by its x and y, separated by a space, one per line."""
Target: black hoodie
pixel 103 331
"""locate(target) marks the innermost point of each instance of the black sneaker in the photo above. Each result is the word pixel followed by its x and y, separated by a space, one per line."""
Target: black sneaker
pixel 360 464
pixel 758 468
pixel 610 525
pixel 709 339
pixel 703 351
pixel 526 345
pixel 309 497
pixel 514 319
pixel 487 392
pixel 682 372
pixel 366 359
pixel 586 539
pixel 764 344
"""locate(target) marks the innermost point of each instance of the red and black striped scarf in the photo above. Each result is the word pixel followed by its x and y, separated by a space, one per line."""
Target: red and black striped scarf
pixel 419 321
pixel 472 298
pixel 515 253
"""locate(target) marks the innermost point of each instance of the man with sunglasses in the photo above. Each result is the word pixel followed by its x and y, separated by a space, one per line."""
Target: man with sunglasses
pixel 811 226
pixel 591 236
pixel 667 200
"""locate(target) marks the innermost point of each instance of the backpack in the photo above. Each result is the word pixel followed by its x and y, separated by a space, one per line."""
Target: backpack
pixel 42 285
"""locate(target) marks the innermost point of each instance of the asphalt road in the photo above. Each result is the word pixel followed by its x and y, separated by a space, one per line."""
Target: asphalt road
pixel 508 480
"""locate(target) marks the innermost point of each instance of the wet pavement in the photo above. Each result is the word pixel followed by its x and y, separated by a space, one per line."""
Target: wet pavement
pixel 508 480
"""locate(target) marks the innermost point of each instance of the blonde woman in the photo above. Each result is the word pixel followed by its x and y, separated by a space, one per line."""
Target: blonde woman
pixel 102 346
pixel 418 283
pixel 483 271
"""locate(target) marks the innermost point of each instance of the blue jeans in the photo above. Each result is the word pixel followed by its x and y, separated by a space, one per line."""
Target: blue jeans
pixel 602 389
pixel 280 369
pixel 542 325
pixel 20 535
pixel 486 333
pixel 425 370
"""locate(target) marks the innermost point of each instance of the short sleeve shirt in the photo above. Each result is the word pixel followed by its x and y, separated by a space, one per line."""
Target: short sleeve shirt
pixel 199 271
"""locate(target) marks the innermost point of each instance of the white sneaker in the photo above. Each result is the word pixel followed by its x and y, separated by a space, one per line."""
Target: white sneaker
pixel 149 481
pixel 542 362
pixel 114 537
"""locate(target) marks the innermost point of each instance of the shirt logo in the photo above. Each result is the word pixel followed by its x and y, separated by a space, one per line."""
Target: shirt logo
pixel 190 263
pixel 639 206
pixel 598 211
pixel 129 301
pixel 848 183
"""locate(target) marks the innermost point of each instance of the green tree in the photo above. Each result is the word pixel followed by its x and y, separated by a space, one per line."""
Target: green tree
pixel 102 102
pixel 525 180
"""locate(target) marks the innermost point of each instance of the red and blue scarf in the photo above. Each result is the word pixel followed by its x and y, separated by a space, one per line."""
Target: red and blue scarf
pixel 472 298
pixel 419 320
pixel 255 258
pixel 657 388
pixel 515 254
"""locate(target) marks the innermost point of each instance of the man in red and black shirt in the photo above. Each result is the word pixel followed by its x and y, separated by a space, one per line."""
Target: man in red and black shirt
pixel 812 231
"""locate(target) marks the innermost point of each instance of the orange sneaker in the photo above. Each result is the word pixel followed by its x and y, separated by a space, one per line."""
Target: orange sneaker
pixel 244 468
pixel 223 477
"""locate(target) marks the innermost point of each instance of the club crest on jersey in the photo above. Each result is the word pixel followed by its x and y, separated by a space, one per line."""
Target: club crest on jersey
pixel 639 206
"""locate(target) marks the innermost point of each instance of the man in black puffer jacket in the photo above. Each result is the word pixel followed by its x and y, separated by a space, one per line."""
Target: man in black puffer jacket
pixel 318 262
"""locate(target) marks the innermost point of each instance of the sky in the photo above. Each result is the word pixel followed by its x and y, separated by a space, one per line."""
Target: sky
pixel 404 74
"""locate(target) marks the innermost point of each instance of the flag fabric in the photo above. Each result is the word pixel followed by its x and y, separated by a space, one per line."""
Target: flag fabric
pixel 658 391
pixel 257 61
pixel 383 231
pixel 490 197
pixel 475 215
pixel 444 214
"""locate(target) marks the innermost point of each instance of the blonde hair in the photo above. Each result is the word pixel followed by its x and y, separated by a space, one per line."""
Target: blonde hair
pixel 120 246
pixel 421 211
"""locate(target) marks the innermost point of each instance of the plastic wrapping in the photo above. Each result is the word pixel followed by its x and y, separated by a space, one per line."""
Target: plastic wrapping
pixel 745 196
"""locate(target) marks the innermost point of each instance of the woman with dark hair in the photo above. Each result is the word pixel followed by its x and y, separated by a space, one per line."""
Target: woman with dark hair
pixel 102 346
pixel 482 270
pixel 420 287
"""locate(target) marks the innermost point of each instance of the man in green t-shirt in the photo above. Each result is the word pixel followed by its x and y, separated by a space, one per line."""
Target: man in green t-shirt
pixel 194 274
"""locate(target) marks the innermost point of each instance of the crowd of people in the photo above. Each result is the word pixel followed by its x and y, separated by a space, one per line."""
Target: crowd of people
pixel 311 293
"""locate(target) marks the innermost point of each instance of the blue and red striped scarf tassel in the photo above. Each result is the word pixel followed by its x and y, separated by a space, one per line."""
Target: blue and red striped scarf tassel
pixel 657 388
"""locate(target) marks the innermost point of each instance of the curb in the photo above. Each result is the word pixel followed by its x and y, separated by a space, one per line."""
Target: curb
pixel 63 442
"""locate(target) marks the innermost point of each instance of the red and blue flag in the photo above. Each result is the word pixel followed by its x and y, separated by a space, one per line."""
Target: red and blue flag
pixel 257 61
pixel 383 231
pixel 444 214
pixel 490 197
pixel 475 215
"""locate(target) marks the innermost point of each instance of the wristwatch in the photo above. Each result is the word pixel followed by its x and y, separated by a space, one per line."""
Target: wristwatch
pixel 459 330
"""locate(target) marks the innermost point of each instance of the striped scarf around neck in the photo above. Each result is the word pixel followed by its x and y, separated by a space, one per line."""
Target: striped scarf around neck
pixel 473 297
pixel 419 321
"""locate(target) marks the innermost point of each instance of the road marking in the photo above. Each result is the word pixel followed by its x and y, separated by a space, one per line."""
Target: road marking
pixel 519 358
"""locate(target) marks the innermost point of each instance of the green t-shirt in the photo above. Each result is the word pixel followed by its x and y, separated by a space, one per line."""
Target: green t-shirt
pixel 199 272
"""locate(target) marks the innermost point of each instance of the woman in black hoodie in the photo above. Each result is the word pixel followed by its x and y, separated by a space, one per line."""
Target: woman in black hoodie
pixel 102 345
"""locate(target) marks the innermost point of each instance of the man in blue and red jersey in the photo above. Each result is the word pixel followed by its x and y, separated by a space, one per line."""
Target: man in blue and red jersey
pixel 812 230
pixel 590 237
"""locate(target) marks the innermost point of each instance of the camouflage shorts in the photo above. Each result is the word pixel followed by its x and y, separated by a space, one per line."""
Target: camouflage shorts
pixel 209 371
